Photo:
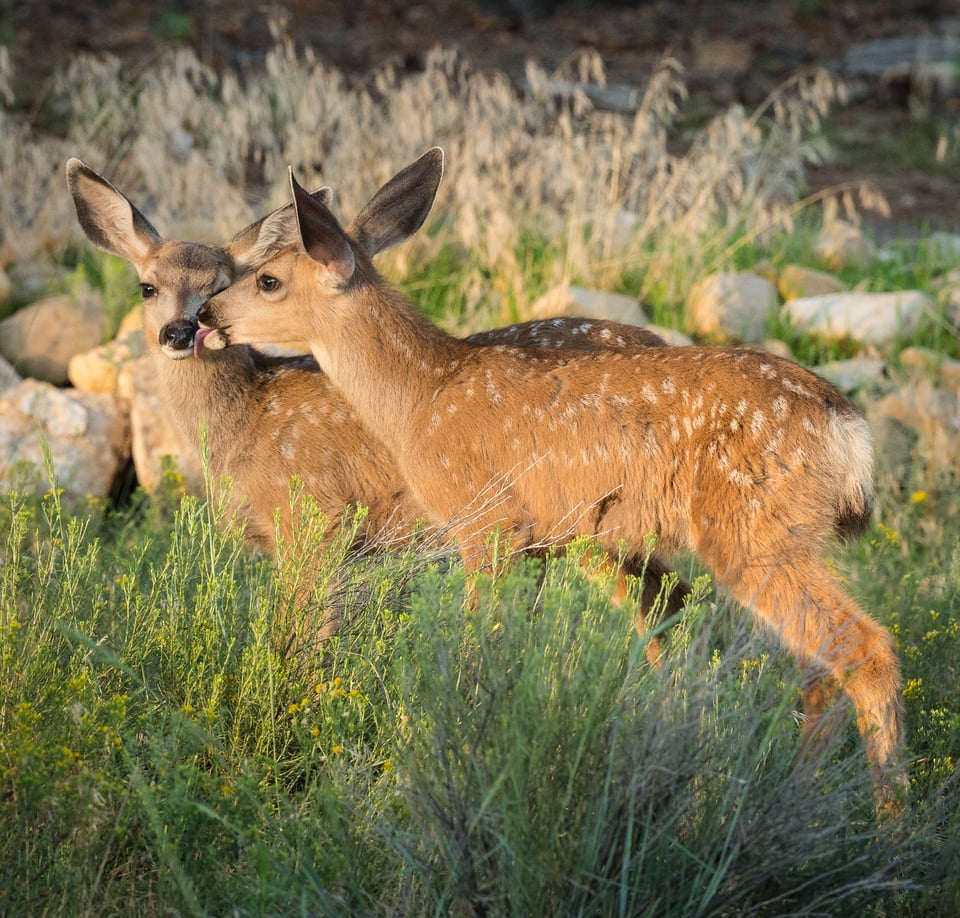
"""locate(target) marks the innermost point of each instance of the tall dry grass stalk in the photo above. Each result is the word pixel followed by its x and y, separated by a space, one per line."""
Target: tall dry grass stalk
pixel 609 193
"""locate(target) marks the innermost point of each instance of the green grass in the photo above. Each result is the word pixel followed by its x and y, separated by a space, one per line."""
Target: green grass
pixel 158 751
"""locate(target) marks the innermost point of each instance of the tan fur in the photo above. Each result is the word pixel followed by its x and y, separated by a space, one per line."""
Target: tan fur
pixel 270 419
pixel 749 460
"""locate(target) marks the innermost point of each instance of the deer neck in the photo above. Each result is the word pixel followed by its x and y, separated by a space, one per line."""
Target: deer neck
pixel 385 359
pixel 208 393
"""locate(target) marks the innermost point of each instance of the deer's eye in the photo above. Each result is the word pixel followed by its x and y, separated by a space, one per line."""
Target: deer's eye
pixel 267 283
pixel 148 290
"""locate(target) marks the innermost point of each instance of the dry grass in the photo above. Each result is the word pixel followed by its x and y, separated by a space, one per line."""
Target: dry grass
pixel 205 152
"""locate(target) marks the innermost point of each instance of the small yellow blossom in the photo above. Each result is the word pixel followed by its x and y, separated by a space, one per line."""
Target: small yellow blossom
pixel 891 535
pixel 336 750
pixel 387 765
pixel 918 497
pixel 912 688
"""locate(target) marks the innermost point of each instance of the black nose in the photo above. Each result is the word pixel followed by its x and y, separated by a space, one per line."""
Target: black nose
pixel 178 335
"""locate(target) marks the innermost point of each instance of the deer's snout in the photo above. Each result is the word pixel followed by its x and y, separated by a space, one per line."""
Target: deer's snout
pixel 205 314
pixel 176 338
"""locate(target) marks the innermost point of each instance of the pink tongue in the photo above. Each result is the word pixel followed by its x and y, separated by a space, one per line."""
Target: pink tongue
pixel 198 340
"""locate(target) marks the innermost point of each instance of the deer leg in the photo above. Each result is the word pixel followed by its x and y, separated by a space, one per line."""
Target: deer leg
pixel 651 574
pixel 822 716
pixel 829 632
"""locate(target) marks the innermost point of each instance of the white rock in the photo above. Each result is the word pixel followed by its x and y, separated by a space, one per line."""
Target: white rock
pixel 673 337
pixel 87 435
pixel 918 426
pixel 797 280
pixel 933 365
pixel 153 435
pixel 569 300
pixel 40 339
pixel 732 304
pixel 98 370
pixel 856 373
pixel 871 318
pixel 8 375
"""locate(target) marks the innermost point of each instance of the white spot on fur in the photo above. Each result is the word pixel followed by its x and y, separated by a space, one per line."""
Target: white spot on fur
pixel 792 386
pixel 493 393
pixel 668 387
pixel 648 394
pixel 780 407
pixel 757 421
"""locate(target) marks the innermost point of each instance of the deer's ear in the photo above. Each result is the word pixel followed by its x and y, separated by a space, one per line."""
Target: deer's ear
pixel 109 220
pixel 399 208
pixel 271 234
pixel 322 237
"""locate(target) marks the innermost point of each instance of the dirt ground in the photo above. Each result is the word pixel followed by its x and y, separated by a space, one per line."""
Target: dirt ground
pixel 732 51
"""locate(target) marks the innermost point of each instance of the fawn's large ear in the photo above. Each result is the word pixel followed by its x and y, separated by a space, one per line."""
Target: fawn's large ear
pixel 321 235
pixel 399 208
pixel 271 234
pixel 110 221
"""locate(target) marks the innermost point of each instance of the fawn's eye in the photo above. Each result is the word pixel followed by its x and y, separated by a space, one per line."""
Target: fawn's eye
pixel 148 290
pixel 267 283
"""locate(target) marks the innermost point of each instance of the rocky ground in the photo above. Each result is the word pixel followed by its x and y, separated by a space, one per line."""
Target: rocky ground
pixel 736 50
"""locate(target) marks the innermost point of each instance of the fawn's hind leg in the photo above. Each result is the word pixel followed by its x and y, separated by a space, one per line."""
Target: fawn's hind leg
pixel 828 631
pixel 651 575
pixel 822 716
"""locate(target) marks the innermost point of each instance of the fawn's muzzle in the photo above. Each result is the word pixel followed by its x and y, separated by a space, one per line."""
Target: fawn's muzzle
pixel 176 338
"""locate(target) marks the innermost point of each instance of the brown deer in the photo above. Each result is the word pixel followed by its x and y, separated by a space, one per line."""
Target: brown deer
pixel 270 419
pixel 749 460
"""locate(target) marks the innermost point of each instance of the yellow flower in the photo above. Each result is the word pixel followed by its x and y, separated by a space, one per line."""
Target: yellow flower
pixel 912 688
pixel 387 765
pixel 336 750
pixel 918 497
